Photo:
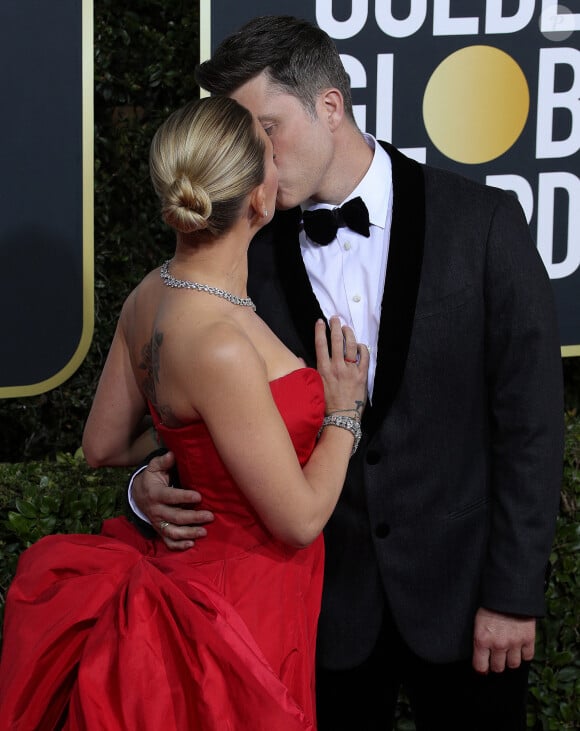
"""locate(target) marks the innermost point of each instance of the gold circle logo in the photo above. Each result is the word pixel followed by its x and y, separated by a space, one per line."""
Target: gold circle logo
pixel 476 104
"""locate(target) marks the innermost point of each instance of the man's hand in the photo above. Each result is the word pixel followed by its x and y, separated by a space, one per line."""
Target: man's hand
pixel 168 508
pixel 501 640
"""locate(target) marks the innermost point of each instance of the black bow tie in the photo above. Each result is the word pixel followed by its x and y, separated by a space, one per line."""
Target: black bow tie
pixel 321 225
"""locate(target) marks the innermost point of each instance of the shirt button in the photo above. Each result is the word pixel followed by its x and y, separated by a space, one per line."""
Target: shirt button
pixel 356 298
pixel 382 530
pixel 347 245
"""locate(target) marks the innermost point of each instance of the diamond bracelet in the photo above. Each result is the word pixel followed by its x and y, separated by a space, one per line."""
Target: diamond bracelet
pixel 344 422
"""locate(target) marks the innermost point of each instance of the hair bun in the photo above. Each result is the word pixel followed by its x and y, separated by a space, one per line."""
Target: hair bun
pixel 187 206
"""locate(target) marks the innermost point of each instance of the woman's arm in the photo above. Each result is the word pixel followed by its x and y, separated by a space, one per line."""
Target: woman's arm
pixel 118 431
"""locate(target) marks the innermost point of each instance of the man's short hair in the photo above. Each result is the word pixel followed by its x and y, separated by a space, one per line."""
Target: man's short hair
pixel 299 58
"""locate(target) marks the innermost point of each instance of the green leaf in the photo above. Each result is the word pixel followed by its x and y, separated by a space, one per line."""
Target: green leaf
pixel 26 508
pixel 19 524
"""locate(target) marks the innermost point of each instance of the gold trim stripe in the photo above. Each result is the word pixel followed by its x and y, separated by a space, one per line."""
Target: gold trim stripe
pixel 88 220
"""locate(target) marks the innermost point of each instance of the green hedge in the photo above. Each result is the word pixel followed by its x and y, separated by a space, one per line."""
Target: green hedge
pixel 61 496
pixel 555 692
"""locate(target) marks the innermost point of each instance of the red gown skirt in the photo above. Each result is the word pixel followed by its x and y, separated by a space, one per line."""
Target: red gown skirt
pixel 115 632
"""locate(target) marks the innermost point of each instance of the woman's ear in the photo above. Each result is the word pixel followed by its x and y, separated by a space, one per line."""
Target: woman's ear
pixel 258 208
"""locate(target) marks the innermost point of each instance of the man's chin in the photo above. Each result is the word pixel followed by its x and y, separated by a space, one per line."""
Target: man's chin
pixel 285 203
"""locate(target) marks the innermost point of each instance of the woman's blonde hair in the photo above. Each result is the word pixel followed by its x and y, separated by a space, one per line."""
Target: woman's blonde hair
pixel 204 160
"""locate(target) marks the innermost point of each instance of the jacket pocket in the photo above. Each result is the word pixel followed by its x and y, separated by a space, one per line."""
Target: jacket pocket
pixel 468 509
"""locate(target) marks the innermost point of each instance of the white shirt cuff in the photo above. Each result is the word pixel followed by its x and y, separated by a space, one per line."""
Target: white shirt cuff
pixel 132 503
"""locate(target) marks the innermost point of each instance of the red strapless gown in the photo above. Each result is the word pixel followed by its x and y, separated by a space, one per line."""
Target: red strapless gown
pixel 115 632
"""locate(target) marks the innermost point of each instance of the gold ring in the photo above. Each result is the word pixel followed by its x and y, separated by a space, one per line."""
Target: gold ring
pixel 348 360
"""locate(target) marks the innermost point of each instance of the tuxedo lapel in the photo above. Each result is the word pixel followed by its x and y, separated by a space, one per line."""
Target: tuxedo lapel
pixel 401 282
pixel 302 302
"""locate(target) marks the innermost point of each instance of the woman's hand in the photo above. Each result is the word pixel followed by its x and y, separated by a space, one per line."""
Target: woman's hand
pixel 343 370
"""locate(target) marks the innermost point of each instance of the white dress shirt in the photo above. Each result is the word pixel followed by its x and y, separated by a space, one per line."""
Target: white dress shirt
pixel 348 275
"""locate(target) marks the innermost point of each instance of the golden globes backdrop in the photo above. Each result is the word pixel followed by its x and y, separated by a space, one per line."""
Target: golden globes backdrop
pixel 46 201
pixel 488 88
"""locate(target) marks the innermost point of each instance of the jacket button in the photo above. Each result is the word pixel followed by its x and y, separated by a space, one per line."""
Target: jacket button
pixel 373 457
pixel 382 530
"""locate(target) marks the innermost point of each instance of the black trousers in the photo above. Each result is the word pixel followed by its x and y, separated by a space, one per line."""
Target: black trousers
pixel 447 697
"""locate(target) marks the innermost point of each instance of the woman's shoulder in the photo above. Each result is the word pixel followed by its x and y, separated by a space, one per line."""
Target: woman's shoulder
pixel 214 361
pixel 223 347
pixel 147 291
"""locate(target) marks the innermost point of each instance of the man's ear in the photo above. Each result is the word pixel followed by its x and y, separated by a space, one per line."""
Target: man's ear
pixel 331 107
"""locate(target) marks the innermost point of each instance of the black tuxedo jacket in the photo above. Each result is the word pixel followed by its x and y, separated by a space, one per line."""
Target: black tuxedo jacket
pixel 451 500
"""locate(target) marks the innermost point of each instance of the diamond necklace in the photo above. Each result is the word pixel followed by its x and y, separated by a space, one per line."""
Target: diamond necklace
pixel 186 284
